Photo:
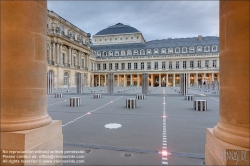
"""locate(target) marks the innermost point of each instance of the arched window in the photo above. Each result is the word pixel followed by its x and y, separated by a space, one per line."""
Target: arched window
pixel 116 53
pixel 184 49
pixel 191 49
pixel 110 53
pixel 104 53
pixel 129 52
pixel 65 78
pixel 148 51
pixel 135 52
pixel 170 50
pixel 98 54
pixel 214 48
pixel 123 53
pixel 199 49
pixel 156 51
pixel 177 50
pixel 163 50
pixel 142 52
pixel 206 49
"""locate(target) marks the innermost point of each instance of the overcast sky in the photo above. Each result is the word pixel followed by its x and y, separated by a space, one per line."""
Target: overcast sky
pixel 155 19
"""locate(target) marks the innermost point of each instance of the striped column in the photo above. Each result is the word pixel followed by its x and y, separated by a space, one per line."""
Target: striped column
pixel 200 105
pixel 75 101
pixel 140 97
pixel 131 103
pixel 58 95
pixel 50 82
pixel 79 83
pixel 184 84
pixel 144 83
pixel 110 88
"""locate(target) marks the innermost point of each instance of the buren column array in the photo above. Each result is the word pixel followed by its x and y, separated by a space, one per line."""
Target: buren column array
pixel 228 142
pixel 110 88
pixel 25 124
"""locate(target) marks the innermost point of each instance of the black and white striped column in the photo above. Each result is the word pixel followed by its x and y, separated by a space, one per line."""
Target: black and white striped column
pixel 189 97
pixel 140 97
pixel 58 95
pixel 184 84
pixel 75 101
pixel 79 83
pixel 200 105
pixel 145 83
pixel 97 96
pixel 130 103
pixel 110 88
pixel 50 82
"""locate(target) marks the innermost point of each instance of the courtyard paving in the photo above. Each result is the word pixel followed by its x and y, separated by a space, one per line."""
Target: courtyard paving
pixel 139 141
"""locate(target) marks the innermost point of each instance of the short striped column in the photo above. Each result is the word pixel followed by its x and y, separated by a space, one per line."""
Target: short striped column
pixel 130 103
pixel 97 96
pixel 140 97
pixel 58 95
pixel 79 82
pixel 189 97
pixel 50 82
pixel 200 105
pixel 75 101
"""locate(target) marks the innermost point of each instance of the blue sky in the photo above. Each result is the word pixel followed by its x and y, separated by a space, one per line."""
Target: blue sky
pixel 155 19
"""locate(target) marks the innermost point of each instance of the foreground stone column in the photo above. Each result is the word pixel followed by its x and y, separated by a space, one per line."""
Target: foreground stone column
pixel 25 124
pixel 228 142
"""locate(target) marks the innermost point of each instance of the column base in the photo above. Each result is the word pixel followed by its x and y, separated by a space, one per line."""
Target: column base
pixel 30 147
pixel 218 152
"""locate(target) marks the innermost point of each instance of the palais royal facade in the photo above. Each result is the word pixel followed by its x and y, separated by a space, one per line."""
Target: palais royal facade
pixel 122 50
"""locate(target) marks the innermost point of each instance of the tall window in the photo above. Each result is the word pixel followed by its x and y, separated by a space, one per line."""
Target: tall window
pixel 206 49
pixel 199 49
pixel 104 66
pixel 74 61
pixel 163 65
pixel 142 65
pixel 170 50
pixel 62 30
pixel 75 79
pixel 116 66
pixel 184 49
pixel 148 65
pixel 116 53
pixel 129 66
pixel 177 65
pixel 170 65
pixel 177 50
pixel 214 63
pixel 163 51
pixel 65 79
pixel 184 64
pixel 214 48
pixel 199 63
pixel 206 63
pixel 156 65
pixel 142 52
pixel 48 52
pixel 135 52
pixel 123 66
pixel 191 64
pixel 135 66
pixel 63 59
pixel 123 53
pixel 98 66
pixel 110 66
pixel 129 52
pixel 82 63
pixel 148 51
pixel 191 49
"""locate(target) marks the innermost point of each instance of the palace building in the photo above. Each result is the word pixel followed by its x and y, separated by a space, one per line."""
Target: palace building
pixel 122 50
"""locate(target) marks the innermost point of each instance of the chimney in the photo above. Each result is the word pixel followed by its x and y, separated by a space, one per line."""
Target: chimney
pixel 199 37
